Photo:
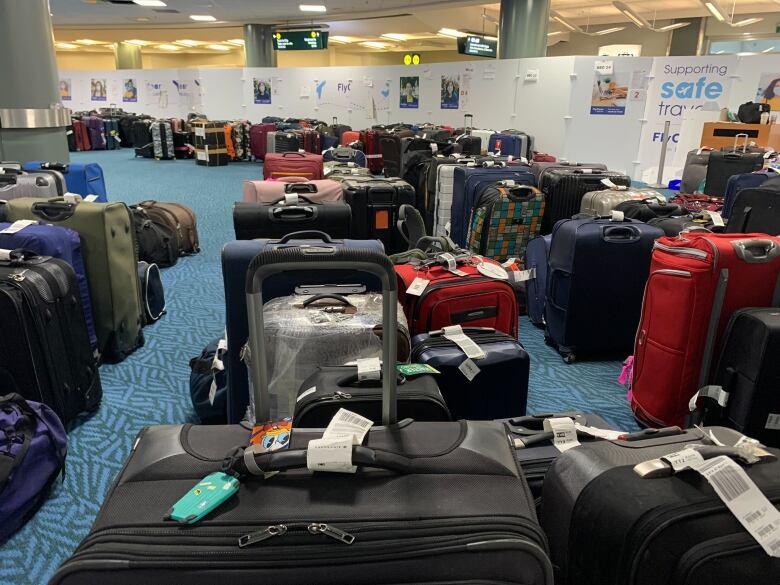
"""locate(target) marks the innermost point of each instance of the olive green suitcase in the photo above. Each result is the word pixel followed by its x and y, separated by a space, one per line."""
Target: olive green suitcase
pixel 108 246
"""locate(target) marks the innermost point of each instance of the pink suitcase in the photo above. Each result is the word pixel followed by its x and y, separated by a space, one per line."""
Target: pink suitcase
pixel 258 141
pixel 321 191
pixel 349 137
pixel 278 165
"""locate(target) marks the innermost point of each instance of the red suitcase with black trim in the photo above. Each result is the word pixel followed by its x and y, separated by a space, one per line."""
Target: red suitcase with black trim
pixel 372 149
pixel 697 281
pixel 278 165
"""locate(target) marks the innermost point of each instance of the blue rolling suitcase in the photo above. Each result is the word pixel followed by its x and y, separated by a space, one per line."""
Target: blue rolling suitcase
pixel 499 390
pixel 736 183
pixel 345 154
pixel 81 178
pixel 57 242
pixel 512 143
pixel 596 278
pixel 535 288
pixel 468 182
pixel 236 257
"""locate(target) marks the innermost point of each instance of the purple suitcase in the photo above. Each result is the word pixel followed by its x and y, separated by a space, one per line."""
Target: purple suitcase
pixel 97 132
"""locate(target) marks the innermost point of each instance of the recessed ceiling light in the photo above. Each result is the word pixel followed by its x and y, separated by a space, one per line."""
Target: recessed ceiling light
pixel 88 42
pixel 375 44
pixel 341 40
pixel 167 47
pixel 150 3
pixel 219 47
pixel 66 46
pixel 203 17
pixel 238 42
pixel 714 10
pixel 188 43
pixel 395 36
pixel 138 42
pixel 451 32
pixel 312 8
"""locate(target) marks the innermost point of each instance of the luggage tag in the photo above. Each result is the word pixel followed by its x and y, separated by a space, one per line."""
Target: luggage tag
pixel 333 452
pixel 492 270
pixel 410 370
pixel 369 369
pixel 271 435
pixel 467 345
pixel 452 263
pixel 610 185
pixel 564 433
pixel 207 495
pixel 18 226
pixel 417 286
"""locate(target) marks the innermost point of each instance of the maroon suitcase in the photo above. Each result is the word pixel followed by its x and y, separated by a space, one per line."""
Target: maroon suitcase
pixel 372 149
pixel 278 165
pixel 82 136
pixel 258 140
pixel 310 140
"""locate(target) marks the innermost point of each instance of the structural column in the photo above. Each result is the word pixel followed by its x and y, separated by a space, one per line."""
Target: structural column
pixel 32 120
pixel 522 29
pixel 687 41
pixel 259 45
pixel 128 56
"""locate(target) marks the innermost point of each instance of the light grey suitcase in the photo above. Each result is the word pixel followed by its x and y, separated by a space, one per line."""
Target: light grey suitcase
pixel 695 170
pixel 603 202
pixel 14 185
pixel 270 142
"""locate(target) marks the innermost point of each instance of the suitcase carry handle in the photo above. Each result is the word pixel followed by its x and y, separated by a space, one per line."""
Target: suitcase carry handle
pixel 336 297
pixel 8 179
pixel 271 262
pixel 292 153
pixel 17 256
pixel 54 210
pixel 620 234
pixel 305 235
pixel 292 213
pixel 351 380
pixel 55 166
pixel 302 198
pixel 756 250
pixel 299 188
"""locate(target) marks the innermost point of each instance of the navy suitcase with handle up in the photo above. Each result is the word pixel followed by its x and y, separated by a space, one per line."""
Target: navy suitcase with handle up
pixel 536 255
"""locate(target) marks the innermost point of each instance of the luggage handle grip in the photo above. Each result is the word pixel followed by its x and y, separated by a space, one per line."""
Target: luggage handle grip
pixel 54 209
pixel 466 330
pixel 271 262
pixel 292 213
pixel 756 250
pixel 55 166
pixel 336 297
pixel 620 234
pixel 351 380
pixel 8 178
pixel 291 153
pixel 300 188
pixel 302 235
pixel 301 198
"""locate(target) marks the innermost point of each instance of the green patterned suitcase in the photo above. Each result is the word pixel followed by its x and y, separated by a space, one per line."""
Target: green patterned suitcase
pixel 505 218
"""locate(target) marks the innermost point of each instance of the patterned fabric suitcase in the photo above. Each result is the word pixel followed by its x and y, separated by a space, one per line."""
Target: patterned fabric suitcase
pixel 162 139
pixel 504 219
pixel 278 165
pixel 603 202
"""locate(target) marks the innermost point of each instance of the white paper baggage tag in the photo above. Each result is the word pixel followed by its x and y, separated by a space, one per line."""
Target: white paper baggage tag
pixel 333 455
pixel 564 433
pixel 68 132
pixel 369 369
pixel 346 423
pixel 617 215
pixel 610 185
pixel 712 391
pixel 772 422
pixel 509 262
pixel 418 286
pixel 212 391
pixel 523 275
pixel 684 459
pixel 90 198
pixel 587 171
pixel 469 369
pixel 452 263
pixel 447 227
pixel 202 155
pixel 71 197
pixel 599 433
pixel 200 131
pixel 5 255
pixel 717 219
pixel 291 199
pixel 303 395
pixel 492 271
pixel 434 147
pixel 467 345
pixel 18 226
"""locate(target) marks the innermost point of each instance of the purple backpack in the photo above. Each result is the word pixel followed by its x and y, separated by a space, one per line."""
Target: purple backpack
pixel 32 452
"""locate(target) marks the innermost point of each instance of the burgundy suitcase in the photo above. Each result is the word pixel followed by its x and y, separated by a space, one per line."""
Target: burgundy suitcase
pixel 258 139
pixel 372 149
pixel 82 136
pixel 310 140
pixel 293 164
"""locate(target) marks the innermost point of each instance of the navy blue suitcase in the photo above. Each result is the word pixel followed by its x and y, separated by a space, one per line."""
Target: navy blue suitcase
pixel 536 254
pixel 597 271
pixel 328 141
pixel 57 242
pixel 468 182
pixel 81 178
pixel 499 390
pixel 757 210
pixel 511 143
pixel 345 154
pixel 236 257
pixel 736 183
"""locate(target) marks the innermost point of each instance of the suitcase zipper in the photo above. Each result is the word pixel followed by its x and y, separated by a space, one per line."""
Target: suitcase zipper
pixel 449 282
pixel 714 547
pixel 690 252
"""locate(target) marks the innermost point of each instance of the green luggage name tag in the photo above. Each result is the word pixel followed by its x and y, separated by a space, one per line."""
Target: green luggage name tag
pixel 409 370
pixel 209 493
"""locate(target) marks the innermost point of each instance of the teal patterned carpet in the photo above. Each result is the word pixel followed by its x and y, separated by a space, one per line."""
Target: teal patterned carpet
pixel 151 387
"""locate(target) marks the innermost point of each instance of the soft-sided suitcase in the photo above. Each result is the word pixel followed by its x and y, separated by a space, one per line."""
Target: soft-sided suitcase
pixel 604 201
pixel 504 219
pixel 236 256
pixel 81 135
pixel 390 152
pixel 331 388
pixel 152 292
pixel 499 390
pixel 607 525
pixel 703 279
pixel 349 137
pixel 597 268
pixel 375 203
pixel 111 129
pixel 16 184
pixel 108 248
pixel 757 210
pixel 321 191
pixel 84 179
pixel 162 141
pixel 181 219
pixel 142 136
pixel 156 242
pixel 723 165
pixel 293 164
pixel 96 131
pixel 673 226
pixel 372 149
pixel 290 213
pixel 649 209
pixel 695 170
pixel 344 154
pixel 57 242
pixel 126 130
pixel 536 256
pixel 336 129
pixel 736 183
pixel 45 353
pixel 564 189
pixel 470 145
pixel 258 139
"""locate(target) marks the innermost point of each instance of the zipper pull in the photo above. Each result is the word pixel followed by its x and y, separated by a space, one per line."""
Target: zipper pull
pixel 332 531
pixel 17 276
pixel 339 395
pixel 261 535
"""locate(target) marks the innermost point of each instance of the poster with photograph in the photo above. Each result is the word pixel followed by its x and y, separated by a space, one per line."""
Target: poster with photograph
pixel 450 92
pixel 410 92
pixel 610 91
pixel 97 90
pixel 262 90
pixel 129 90
pixel 65 94
pixel 769 90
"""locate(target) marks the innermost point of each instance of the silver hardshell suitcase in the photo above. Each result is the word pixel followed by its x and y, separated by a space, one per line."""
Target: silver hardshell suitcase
pixel 15 184
pixel 603 202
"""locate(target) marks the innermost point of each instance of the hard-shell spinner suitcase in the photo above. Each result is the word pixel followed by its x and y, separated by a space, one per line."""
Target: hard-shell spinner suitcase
pixel 348 137
pixel 597 272
pixel 82 178
pixel 536 257
pixel 333 387
pixel 372 149
pixel 82 135
pixel 667 529
pixel 499 390
pixel 258 139
pixel 390 149
pixel 286 142
pixel 292 212
pixel 322 191
pixel 45 353
pixel 602 202
pixel 236 256
pixel 17 184
pixel 278 165
pixel 736 183
pixel 703 278
pixel 540 170
pixel 757 210
pixel 514 145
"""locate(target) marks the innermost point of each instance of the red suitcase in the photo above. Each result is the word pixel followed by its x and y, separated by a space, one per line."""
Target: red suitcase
pixel 258 139
pixel 372 149
pixel 697 281
pixel 473 300
pixel 293 164
pixel 82 135
pixel 349 137
pixel 310 140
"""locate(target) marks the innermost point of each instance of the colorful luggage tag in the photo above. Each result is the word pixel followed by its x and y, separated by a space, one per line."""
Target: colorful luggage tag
pixel 271 436
pixel 209 493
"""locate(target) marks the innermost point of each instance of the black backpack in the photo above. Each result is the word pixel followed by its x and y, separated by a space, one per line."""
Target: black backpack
pixel 750 112
pixel 155 242
pixel 647 209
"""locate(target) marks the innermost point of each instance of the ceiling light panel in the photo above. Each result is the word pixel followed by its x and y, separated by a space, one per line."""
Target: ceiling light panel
pixel 202 18
pixel 451 32
pixel 167 47
pixel 375 44
pixel 312 8
pixel 746 22
pixel 237 42
pixel 150 3
pixel 219 47
pixel 138 42
pixel 188 43
pixel 396 36
pixel 66 46
pixel 88 42
pixel 607 31
pixel 714 10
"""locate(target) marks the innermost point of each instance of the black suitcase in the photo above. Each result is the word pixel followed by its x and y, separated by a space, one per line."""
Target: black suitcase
pixel 470 145
pixel 608 526
pixel 126 130
pixel 45 354
pixel 649 209
pixel 431 503
pixel 757 210
pixel 276 220
pixel 141 134
pixel 390 148
pixel 113 142
pixel 375 204
pixel 336 129
pixel 672 226
pixel 748 372
pixel 286 142
pixel 71 137
pixel 564 189
pixel 724 164
pixel 335 387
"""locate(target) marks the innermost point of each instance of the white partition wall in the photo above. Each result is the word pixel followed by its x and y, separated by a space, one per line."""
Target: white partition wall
pixel 565 102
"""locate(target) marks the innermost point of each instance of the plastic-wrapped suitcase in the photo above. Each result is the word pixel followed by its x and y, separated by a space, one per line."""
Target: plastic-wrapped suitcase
pixel 375 203
pixel 96 131
pixel 293 164
pixel 258 139
pixel 108 248
pixel 322 191
pixel 333 387
pixel 45 353
pixel 162 141
pixel 597 267
pixel 564 189
pixel 666 528
pixel 723 165
pixel 541 169
pixel 602 202
pixel 432 501
pixel 536 257
pixel 499 390
pixel 337 171
pixel 703 278
pixel 111 129
pixel 236 256
pixel 57 242
pixel 757 210
pixel 292 212
pixel 84 179
pixel 372 149
pixel 344 154
pixel 16 184
pixel 744 181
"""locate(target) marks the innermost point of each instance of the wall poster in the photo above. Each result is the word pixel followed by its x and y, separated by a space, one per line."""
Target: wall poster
pixel 410 92
pixel 262 90
pixel 97 90
pixel 610 91
pixel 65 94
pixel 769 90
pixel 129 90
pixel 450 92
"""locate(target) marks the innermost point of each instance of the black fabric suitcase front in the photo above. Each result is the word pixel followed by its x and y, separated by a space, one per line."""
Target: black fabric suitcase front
pixel 608 526
pixel 757 210
pixel 276 220
pixel 723 165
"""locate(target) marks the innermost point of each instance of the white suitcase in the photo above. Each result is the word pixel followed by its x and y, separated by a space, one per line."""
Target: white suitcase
pixel 445 175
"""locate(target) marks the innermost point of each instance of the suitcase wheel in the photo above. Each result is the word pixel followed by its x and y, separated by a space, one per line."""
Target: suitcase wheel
pixel 569 358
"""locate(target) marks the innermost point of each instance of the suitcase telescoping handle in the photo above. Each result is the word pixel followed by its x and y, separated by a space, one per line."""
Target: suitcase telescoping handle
pixel 271 262
pixel 744 142
pixel 468 120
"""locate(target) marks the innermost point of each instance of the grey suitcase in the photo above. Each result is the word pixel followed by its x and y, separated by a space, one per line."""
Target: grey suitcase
pixel 695 170
pixel 603 202
pixel 270 138
pixel 15 184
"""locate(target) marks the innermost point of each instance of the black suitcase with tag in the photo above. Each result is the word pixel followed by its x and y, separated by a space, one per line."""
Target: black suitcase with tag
pixel 431 502
pixel 276 220
pixel 734 161
pixel 757 210
pixel 607 525
pixel 45 354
